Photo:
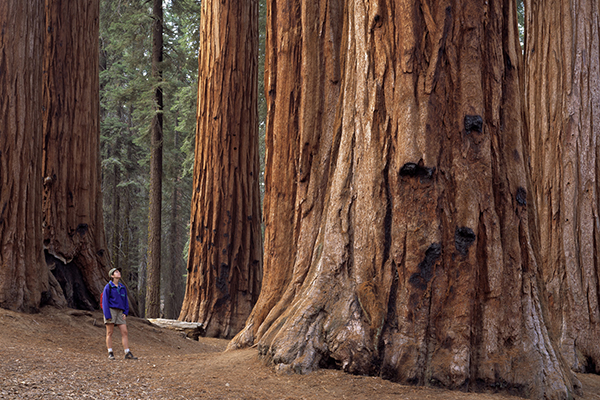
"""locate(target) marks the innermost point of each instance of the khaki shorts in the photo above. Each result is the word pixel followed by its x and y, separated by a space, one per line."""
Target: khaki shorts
pixel 118 318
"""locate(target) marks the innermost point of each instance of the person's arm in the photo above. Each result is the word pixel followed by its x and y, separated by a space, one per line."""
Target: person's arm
pixel 126 310
pixel 105 306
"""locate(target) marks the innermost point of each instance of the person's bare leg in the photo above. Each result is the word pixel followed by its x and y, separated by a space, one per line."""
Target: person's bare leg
pixel 110 328
pixel 124 336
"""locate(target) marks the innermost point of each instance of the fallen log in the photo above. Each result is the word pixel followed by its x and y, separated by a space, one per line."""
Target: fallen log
pixel 192 330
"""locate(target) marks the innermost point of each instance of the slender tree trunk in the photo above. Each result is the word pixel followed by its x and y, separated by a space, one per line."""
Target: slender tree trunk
pixel 116 211
pixel 155 213
pixel 225 259
pixel 126 231
pixel 419 265
pixel 562 77
pixel 175 286
pixel 73 223
pixel 23 273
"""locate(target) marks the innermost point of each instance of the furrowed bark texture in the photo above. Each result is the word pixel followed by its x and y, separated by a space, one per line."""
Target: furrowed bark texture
pixel 563 95
pixel 23 273
pixel 225 259
pixel 397 234
pixel 156 169
pixel 73 225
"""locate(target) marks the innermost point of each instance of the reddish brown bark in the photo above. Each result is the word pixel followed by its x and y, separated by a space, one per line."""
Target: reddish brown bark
pixel 562 75
pixel 225 259
pixel 397 232
pixel 73 225
pixel 23 273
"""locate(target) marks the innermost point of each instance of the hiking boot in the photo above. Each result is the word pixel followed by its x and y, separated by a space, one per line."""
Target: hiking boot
pixel 111 356
pixel 129 356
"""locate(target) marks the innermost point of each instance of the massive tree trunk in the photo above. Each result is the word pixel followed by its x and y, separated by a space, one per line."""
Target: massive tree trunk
pixel 562 76
pixel 417 264
pixel 73 225
pixel 225 259
pixel 156 143
pixel 23 273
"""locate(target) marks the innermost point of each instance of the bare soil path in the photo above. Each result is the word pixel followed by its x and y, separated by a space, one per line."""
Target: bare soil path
pixel 60 354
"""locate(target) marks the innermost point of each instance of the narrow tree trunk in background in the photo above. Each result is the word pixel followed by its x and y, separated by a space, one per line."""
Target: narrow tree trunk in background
pixel 562 77
pixel 175 287
pixel 419 267
pixel 23 273
pixel 73 223
pixel 225 259
pixel 126 270
pixel 155 214
pixel 116 212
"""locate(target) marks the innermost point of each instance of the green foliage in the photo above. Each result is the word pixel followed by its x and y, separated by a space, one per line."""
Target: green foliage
pixel 126 109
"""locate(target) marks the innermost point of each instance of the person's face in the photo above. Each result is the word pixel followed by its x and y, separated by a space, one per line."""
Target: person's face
pixel 116 274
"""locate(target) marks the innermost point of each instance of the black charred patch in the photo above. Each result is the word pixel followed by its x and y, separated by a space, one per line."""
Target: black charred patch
pixel 521 196
pixel 412 170
pixel 420 279
pixel 473 123
pixel 223 279
pixel 463 239
pixel 82 229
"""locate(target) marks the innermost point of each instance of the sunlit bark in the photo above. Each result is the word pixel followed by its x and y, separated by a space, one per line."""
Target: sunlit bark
pixel 397 237
pixel 225 258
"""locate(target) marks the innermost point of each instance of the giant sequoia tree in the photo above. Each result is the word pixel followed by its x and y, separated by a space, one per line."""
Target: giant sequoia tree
pixel 397 234
pixel 23 273
pixel 562 78
pixel 225 258
pixel 73 225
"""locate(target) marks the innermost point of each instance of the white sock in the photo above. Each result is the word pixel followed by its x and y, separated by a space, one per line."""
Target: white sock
pixel 110 350
pixel 126 351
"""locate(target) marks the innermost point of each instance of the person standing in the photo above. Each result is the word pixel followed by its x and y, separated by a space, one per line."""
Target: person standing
pixel 115 306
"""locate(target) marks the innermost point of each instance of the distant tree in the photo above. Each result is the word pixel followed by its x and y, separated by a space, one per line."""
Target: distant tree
pixel 156 169
pixel 126 105
pixel 23 274
pixel 225 253
pixel 180 74
pixel 562 76
pixel 397 237
pixel 73 226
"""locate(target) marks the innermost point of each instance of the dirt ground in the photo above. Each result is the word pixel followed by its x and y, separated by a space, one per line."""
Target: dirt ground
pixel 61 354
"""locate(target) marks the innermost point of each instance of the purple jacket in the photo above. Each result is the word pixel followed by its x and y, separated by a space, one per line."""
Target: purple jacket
pixel 114 297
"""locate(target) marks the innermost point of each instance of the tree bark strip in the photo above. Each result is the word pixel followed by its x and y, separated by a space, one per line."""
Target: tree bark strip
pixel 225 258
pixel 23 273
pixel 562 75
pixel 73 225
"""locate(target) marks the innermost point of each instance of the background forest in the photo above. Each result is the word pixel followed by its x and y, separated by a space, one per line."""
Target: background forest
pixel 126 87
